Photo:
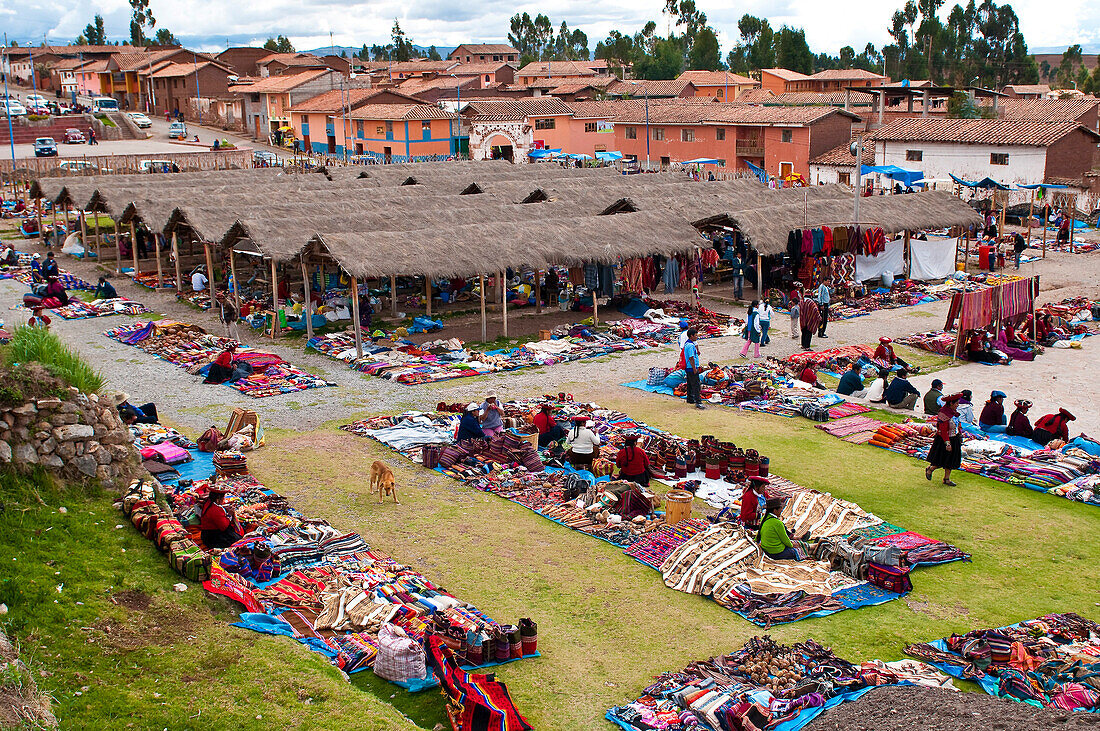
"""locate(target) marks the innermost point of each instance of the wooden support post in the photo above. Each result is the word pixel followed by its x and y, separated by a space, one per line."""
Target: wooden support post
pixel 133 248
pixel 209 268
pixel 236 284
pixel 306 307
pixel 275 299
pixel 595 309
pixel 41 231
pixel 966 258
pixel 481 287
pixel 504 302
pixel 908 252
pixel 53 215
pixel 1030 213
pixel 1046 222
pixel 427 295
pixel 759 276
pixel 393 296
pixel 83 231
pixel 1001 218
pixel 118 246
pixel 1072 219
pixel 538 291
pixel 355 326
pixel 160 269
pixel 68 222
pixel 97 239
pixel 1034 294
pixel 176 254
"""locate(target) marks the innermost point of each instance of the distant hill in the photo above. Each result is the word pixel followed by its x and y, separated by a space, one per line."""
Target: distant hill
pixel 351 50
pixel 1085 48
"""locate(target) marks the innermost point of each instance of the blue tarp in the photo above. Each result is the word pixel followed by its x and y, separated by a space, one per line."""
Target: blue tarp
pixel 988 183
pixel 903 176
pixel 609 155
pixel 542 153
pixel 758 172
pixel 701 161
pixel 1043 186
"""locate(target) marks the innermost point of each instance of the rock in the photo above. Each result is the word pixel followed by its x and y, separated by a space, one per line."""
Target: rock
pixel 21 433
pixel 120 452
pixel 63 419
pixel 47 446
pixel 68 407
pixel 43 426
pixel 41 436
pixel 5 451
pixel 102 455
pixel 66 451
pixel 85 464
pixel 48 403
pixel 180 587
pixel 103 472
pixel 99 431
pixel 79 448
pixel 52 461
pixel 25 454
pixel 5 435
pixel 25 410
pixel 117 436
pixel 73 431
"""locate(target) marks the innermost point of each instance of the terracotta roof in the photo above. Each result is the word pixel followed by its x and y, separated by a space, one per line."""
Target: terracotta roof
pixel 480 48
pixel 286 58
pixel 177 70
pixel 140 60
pixel 336 100
pixel 421 66
pixel 278 84
pixel 978 131
pixel 69 64
pixel 18 51
pixel 841 156
pixel 418 85
pixel 918 84
pixel 701 110
pixel 516 109
pixel 1046 110
pixel 557 68
pixel 804 98
pixel 716 78
pixel 475 69
pixel 847 74
pixel 785 74
pixel 572 87
pixel 1028 88
pixel 670 87
pixel 401 112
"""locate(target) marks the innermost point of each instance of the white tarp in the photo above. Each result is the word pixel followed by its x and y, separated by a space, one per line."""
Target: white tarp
pixel 890 261
pixel 932 259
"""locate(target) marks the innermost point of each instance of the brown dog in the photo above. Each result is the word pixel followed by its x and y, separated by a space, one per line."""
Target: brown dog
pixel 382 480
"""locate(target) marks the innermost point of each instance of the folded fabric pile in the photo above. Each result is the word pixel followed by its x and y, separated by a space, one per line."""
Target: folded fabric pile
pixel 200 300
pixel 77 310
pixel 717 560
pixel 834 360
pixel 1051 662
pixel 191 347
pixel 764 685
pixel 68 280
pixel 939 342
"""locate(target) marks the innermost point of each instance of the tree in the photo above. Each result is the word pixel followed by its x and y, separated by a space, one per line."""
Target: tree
pixel 402 46
pixel 1067 69
pixel 757 47
pixel 141 17
pixel 666 62
pixel 792 51
pixel 433 54
pixel 704 54
pixel 164 37
pixel 94 33
pixel 281 44
pixel 533 38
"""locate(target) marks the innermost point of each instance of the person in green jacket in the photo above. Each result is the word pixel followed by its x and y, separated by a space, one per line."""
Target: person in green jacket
pixel 773 534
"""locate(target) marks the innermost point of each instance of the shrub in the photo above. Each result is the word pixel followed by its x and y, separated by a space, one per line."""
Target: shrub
pixel 37 345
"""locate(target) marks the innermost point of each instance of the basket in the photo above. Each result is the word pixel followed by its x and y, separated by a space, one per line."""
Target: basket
pixel 677 506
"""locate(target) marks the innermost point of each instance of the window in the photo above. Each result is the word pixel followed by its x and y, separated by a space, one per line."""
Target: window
pixel 687 135
pixel 589 126
pixel 998 158
pixel 389 130
pixel 632 133
pixel 914 155
pixel 720 134
pixel 788 135
pixel 544 123
pixel 358 128
pixel 426 129
pixel 844 178
pixel 658 133
pixel 380 130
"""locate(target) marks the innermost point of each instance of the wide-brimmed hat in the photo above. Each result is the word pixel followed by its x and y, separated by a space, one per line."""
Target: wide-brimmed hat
pixel 218 490
pixel 885 340
pixel 118 398
pixel 472 407
pixel 1023 404
pixel 1066 414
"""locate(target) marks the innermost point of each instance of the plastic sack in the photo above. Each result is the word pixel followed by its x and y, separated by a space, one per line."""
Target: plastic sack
pixel 400 657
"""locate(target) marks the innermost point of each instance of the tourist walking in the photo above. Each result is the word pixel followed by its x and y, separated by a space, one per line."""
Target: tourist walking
pixel 946 450
pixel 824 295
pixel 229 316
pixel 794 309
pixel 691 368
pixel 764 318
pixel 752 332
pixel 737 271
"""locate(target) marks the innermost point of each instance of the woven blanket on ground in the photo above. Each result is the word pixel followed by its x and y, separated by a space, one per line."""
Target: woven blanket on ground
pixel 761 686
pixel 1051 662
pixel 78 310
pixel 187 346
pixel 68 281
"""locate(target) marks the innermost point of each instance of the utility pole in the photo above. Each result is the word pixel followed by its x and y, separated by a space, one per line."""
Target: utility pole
pixel 198 91
pixel 7 73
pixel 647 130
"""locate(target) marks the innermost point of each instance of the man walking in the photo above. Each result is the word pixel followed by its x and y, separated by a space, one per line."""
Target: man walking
pixel 737 270
pixel 824 294
pixel 691 367
pixel 809 319
pixel 229 316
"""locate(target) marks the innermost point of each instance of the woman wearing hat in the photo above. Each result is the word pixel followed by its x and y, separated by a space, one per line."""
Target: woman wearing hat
pixel 752 498
pixel 1018 424
pixel 251 561
pixel 774 539
pixel 584 444
pixel 633 463
pixel 884 353
pixel 218 526
pixel 946 451
pixel 1052 426
pixel 993 418
pixel 550 431
pixel 469 427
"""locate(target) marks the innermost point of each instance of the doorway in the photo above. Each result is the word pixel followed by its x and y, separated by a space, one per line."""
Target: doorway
pixel 387 154
pixel 502 152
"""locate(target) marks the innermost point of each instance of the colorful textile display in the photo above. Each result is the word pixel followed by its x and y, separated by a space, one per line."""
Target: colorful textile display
pixel 711 557
pixel 80 310
pixel 1049 662
pixel 764 685
pixel 192 348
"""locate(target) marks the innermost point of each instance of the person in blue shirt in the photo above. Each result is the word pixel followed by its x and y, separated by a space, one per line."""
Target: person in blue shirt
pixel 824 294
pixel 105 290
pixel 851 383
pixel 469 427
pixel 737 270
pixel 900 394
pixel 691 368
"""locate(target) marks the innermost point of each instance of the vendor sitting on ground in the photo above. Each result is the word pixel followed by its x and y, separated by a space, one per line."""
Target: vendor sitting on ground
pixel 1018 424
pixel 469 427
pixel 966 408
pixel 932 397
pixel 492 422
pixel 218 526
pixel 752 499
pixel 633 463
pixel 105 290
pixel 979 349
pixel 901 394
pixel 809 375
pixel 885 354
pixel 130 414
pixel 993 413
pixel 251 561
pixel 9 257
pixel 774 539
pixel 550 431
pixel 221 370
pixel 876 394
pixel 851 383
pixel 56 290
pixel 584 444
pixel 1051 427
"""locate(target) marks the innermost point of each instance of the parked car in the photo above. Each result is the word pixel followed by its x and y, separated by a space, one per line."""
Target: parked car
pixel 265 159
pixel 140 120
pixel 73 136
pixel 12 107
pixel 104 104
pixel 35 99
pixel 39 109
pixel 177 131
pixel 77 166
pixel 45 147
pixel 157 166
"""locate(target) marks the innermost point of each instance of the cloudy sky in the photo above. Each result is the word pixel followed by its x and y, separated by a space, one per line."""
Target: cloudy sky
pixel 210 24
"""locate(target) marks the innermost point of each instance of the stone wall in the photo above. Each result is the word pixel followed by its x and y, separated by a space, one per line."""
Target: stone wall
pixel 80 436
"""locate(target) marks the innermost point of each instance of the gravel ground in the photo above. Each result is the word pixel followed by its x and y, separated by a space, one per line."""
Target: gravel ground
pixel 933 709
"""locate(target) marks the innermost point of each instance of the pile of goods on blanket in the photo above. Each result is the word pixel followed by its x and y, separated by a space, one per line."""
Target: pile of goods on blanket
pixel 1060 468
pixel 333 592
pixel 80 310
pixel 257 374
pixel 1051 662
pixel 764 685
pixel 852 558
pixel 26 275
pixel 403 361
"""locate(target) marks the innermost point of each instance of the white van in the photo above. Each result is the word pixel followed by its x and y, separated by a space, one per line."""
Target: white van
pixel 104 104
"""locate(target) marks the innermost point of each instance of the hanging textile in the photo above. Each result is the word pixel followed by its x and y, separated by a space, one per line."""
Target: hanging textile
pixel 977 310
pixel 671 275
pixel 827 235
pixel 1015 297
pixel 844 269
pixel 591 277
pixel 576 276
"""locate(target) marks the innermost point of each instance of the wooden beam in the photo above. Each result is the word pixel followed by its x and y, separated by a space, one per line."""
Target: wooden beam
pixel 160 269
pixel 306 307
pixel 176 254
pixel 68 223
pixel 759 276
pixel 906 244
pixel 393 295
pixel 118 246
pixel 1072 219
pixel 53 215
pixel 1046 222
pixel 97 239
pixel 538 291
pixel 38 213
pixel 428 296
pixel 355 326
pixel 209 269
pixel 133 246
pixel 595 310
pixel 233 274
pixel 504 302
pixel 275 299
pixel 1030 213
pixel 481 287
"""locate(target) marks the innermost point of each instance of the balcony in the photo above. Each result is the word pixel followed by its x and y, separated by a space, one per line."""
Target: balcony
pixel 749 148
